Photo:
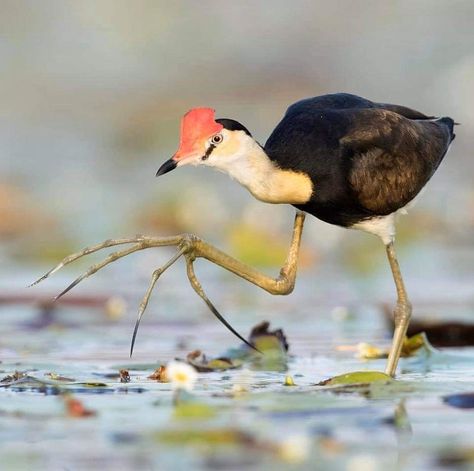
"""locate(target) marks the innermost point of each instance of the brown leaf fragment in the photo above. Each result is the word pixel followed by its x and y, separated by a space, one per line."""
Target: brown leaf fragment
pixel 199 361
pixel 14 377
pixel 75 408
pixel 124 376
pixel 160 375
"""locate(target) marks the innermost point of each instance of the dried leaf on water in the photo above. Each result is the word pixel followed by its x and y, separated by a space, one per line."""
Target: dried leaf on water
pixel 124 376
pixel 199 361
pixel 159 375
pixel 16 376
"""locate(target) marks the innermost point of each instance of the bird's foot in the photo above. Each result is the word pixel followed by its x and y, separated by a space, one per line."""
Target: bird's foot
pixel 185 244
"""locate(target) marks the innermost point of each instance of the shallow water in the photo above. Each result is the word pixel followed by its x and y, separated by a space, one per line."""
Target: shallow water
pixel 405 425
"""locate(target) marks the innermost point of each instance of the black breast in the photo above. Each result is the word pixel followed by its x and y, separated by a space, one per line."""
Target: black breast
pixel 365 159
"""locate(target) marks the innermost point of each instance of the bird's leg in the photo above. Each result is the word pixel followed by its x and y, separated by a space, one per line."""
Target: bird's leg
pixel 283 284
pixel 401 314
pixel 192 247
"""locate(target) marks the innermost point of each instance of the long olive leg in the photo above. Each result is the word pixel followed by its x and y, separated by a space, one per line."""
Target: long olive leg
pixel 193 247
pixel 283 284
pixel 402 313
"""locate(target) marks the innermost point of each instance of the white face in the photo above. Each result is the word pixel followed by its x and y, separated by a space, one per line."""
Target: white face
pixel 231 152
pixel 224 151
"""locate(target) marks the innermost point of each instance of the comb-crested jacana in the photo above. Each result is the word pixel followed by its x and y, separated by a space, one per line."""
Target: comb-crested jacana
pixel 342 158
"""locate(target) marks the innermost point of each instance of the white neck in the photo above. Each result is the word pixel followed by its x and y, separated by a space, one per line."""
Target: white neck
pixel 253 169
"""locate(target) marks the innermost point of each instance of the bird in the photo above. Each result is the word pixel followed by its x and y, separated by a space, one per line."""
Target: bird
pixel 341 158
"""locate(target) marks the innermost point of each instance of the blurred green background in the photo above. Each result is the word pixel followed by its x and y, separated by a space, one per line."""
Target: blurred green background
pixel 92 93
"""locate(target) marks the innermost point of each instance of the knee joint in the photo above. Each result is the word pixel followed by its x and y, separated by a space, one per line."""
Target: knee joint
pixel 284 287
pixel 188 241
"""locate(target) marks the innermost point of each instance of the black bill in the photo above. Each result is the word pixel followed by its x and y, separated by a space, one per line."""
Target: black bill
pixel 166 167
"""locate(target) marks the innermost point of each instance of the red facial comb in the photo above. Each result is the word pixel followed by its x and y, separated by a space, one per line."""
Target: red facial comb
pixel 197 126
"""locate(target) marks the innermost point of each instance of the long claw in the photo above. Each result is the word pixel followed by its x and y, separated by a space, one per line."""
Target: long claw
pixel 146 298
pixel 88 250
pixel 198 288
pixel 95 268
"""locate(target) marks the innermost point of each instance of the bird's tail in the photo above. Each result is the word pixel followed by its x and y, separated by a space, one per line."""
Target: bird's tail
pixel 449 122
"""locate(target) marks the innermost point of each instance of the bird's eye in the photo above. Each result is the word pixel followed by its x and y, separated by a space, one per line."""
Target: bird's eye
pixel 217 139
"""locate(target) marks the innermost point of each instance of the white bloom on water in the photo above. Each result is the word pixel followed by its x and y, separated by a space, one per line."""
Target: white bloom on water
pixel 181 375
pixel 295 448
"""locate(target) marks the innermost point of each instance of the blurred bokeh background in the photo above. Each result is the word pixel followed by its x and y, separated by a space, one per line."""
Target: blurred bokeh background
pixel 92 94
pixel 91 97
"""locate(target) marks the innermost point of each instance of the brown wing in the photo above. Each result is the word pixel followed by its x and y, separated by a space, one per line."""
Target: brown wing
pixel 404 111
pixel 392 157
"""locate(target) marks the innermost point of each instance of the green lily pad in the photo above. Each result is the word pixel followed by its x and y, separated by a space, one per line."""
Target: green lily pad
pixel 413 344
pixel 357 377
pixel 194 410
pixel 267 340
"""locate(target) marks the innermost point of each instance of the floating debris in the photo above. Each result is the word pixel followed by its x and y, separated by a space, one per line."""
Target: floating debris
pixel 16 376
pixel 200 362
pixel 124 376
pixel 160 375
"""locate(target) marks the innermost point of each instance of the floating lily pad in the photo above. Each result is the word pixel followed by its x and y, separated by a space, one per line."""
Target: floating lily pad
pixel 357 377
pixel 267 340
pixel 194 410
